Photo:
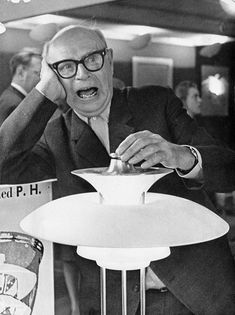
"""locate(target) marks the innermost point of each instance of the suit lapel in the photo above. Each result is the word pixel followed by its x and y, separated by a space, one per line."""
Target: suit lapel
pixel 86 145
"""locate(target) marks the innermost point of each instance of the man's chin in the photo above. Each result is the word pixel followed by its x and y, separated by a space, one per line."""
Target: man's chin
pixel 89 108
pixel 88 112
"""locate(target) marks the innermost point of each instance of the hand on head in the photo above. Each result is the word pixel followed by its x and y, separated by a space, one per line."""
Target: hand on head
pixel 50 84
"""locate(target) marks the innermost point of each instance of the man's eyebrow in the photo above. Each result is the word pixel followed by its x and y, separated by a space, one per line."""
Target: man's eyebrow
pixel 91 52
pixel 84 56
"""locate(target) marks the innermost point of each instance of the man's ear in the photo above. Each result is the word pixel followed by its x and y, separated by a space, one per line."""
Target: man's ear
pixel 111 52
pixel 110 56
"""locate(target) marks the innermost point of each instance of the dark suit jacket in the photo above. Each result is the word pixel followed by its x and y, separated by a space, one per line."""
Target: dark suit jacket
pixel 202 276
pixel 9 100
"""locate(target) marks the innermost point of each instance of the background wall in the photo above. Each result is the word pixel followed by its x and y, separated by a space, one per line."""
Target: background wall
pixel 183 59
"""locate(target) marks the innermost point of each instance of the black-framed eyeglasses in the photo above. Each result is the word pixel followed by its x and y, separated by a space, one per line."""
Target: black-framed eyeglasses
pixel 92 62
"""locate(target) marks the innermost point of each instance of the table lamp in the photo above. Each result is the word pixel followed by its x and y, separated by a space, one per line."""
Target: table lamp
pixel 122 226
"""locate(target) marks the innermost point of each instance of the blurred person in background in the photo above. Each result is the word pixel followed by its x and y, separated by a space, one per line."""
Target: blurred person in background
pixel 25 67
pixel 188 92
pixel 118 83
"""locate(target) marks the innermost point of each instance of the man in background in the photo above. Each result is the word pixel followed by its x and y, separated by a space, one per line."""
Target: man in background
pixel 25 67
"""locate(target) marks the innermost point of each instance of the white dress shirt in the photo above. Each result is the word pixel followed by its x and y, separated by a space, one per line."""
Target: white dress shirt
pixel 19 88
pixel 99 125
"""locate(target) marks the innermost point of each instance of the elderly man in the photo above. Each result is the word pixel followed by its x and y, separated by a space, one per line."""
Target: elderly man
pixel 147 126
pixel 25 67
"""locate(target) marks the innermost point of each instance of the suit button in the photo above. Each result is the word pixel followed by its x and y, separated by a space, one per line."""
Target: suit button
pixel 136 288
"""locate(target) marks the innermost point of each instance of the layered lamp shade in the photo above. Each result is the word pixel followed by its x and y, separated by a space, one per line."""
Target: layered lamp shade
pixel 121 226
pixel 121 220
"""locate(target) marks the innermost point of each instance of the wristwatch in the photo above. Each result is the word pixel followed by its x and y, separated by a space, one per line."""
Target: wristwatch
pixel 194 153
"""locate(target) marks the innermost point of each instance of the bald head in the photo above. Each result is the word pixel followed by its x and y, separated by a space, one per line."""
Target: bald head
pixel 74 36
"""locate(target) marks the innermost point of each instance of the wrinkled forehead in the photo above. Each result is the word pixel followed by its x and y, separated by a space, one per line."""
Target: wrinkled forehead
pixel 73 44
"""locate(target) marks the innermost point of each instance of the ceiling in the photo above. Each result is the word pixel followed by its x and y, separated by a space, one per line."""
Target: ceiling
pixel 187 22
pixel 184 15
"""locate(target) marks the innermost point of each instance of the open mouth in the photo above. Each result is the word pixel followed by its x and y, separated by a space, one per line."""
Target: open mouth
pixel 87 93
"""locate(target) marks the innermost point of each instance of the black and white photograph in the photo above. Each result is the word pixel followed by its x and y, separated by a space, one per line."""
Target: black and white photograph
pixel 117 157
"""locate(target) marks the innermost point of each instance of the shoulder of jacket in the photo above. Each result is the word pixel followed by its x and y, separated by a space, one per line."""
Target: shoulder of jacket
pixel 148 90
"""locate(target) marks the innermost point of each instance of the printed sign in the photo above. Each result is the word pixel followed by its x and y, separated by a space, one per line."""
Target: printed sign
pixel 16 201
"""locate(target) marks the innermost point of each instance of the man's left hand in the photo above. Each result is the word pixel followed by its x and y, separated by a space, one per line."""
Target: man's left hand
pixel 153 149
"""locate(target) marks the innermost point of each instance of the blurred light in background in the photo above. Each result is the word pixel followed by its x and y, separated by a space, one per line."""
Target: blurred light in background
pixel 18 1
pixel 228 6
pixel 2 28
pixel 216 85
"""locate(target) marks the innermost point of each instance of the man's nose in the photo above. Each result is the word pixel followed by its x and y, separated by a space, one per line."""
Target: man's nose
pixel 82 73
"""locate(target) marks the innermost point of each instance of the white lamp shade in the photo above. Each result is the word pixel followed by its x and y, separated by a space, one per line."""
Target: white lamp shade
pixel 123 258
pixel 121 189
pixel 162 221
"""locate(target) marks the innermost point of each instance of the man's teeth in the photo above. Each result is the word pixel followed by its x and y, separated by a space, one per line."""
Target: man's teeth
pixel 87 93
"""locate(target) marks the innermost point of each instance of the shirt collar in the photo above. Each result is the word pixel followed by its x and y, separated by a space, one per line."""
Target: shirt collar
pixel 19 88
pixel 104 115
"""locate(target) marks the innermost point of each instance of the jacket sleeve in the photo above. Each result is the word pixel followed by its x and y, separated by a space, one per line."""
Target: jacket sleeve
pixel 164 114
pixel 21 160
pixel 218 161
pixel 8 102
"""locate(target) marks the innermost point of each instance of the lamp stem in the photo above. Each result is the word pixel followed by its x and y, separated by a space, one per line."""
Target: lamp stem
pixel 124 294
pixel 142 291
pixel 103 290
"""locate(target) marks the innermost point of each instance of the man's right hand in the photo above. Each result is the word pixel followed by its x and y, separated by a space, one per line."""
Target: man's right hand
pixel 50 85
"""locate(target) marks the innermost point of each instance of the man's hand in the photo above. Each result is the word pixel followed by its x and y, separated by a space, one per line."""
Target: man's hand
pixel 49 84
pixel 153 149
